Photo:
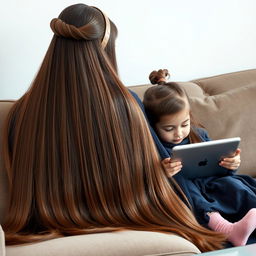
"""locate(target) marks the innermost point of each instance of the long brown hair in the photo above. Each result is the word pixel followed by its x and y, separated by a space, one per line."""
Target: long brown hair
pixel 167 98
pixel 79 154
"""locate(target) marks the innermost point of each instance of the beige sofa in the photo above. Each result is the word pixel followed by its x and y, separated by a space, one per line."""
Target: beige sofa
pixel 225 105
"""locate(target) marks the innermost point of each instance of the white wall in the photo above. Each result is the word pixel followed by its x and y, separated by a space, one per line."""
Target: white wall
pixel 191 38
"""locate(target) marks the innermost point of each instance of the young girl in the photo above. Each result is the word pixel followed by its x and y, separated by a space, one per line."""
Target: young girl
pixel 217 201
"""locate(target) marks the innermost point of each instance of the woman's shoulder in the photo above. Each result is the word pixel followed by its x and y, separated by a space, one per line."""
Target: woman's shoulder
pixel 202 133
pixel 137 98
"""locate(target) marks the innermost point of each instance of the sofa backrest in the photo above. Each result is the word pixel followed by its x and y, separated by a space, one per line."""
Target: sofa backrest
pixel 225 106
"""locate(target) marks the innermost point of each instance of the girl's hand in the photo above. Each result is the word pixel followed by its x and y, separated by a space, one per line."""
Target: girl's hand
pixel 232 163
pixel 171 166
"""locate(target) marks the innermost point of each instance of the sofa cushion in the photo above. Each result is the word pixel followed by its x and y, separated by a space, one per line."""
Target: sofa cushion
pixel 218 84
pixel 225 107
pixel 230 114
pixel 135 243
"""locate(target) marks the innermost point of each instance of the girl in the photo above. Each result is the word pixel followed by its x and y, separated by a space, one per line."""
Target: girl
pixel 73 147
pixel 169 113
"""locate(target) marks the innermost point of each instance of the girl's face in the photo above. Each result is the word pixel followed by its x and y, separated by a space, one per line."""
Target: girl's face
pixel 174 128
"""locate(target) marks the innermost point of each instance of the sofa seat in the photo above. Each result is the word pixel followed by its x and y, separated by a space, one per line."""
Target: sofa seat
pixel 125 243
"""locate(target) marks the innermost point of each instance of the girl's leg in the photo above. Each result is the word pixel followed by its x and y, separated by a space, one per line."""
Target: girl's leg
pixel 238 232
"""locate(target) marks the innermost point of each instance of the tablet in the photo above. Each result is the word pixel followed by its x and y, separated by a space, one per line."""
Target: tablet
pixel 202 159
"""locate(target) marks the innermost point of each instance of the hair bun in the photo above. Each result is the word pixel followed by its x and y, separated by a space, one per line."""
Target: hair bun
pixel 159 77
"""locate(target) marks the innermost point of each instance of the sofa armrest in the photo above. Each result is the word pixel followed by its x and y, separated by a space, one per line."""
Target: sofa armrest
pixel 2 242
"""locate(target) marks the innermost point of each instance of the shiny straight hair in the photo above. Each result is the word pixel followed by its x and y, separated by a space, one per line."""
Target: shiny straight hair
pixel 78 151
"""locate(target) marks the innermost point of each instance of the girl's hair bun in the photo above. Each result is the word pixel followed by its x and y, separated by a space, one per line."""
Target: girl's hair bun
pixel 159 77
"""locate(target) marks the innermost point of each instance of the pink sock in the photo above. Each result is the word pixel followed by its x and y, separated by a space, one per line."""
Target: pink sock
pixel 238 232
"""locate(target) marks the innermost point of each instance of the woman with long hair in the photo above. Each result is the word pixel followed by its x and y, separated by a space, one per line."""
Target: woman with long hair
pixel 78 151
